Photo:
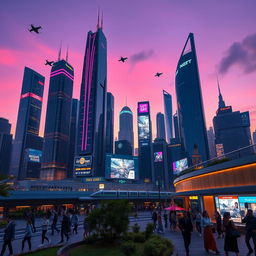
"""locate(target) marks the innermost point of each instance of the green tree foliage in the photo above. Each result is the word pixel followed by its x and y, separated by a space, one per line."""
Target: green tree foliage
pixel 4 187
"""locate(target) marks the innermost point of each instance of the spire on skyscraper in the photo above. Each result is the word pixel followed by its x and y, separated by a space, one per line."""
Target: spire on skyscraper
pixel 59 55
pixel 221 101
pixel 67 55
pixel 98 21
pixel 102 21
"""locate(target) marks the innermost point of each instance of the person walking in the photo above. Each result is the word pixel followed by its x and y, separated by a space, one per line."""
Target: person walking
pixel 173 220
pixel 28 235
pixel 231 235
pixel 160 228
pixel 74 222
pixel 250 226
pixel 186 227
pixel 65 227
pixel 165 219
pixel 209 241
pixel 154 218
pixel 218 224
pixel 54 217
pixel 9 234
pixel 86 226
pixel 45 225
pixel 198 222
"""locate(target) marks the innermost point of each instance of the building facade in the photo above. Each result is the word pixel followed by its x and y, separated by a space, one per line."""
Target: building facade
pixel 160 126
pixel 168 115
pixel 110 123
pixel 93 103
pixel 57 123
pixel 27 145
pixel 123 147
pixel 211 142
pixel 176 126
pixel 190 103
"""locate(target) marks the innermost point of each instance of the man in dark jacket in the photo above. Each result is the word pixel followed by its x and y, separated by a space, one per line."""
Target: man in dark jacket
pixel 65 227
pixel 186 227
pixel 250 226
pixel 9 234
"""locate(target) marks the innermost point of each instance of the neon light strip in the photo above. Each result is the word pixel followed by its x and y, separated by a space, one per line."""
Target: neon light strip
pixel 41 83
pixel 65 74
pixel 30 94
pixel 69 67
pixel 62 69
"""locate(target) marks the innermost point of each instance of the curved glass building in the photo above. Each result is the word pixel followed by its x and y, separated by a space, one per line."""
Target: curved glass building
pixel 190 103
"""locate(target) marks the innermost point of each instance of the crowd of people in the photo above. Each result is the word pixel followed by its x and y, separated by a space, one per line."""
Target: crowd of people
pixel 68 220
pixel 225 228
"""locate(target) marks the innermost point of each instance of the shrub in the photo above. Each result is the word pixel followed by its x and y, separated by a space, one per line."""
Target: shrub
pixel 149 230
pixel 92 239
pixel 3 223
pixel 157 246
pixel 139 237
pixel 136 228
pixel 128 236
pixel 128 248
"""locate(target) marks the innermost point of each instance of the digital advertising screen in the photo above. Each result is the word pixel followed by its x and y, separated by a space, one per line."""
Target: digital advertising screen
pixel 158 156
pixel 143 127
pixel 34 155
pixel 143 108
pixel 83 166
pixel 229 204
pixel 247 202
pixel 179 166
pixel 121 167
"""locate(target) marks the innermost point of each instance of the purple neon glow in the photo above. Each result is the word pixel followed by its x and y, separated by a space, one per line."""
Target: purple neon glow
pixel 61 69
pixel 65 74
pixel 143 108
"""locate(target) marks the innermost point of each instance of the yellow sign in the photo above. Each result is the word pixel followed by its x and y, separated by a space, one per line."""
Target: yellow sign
pixel 193 197
pixel 101 186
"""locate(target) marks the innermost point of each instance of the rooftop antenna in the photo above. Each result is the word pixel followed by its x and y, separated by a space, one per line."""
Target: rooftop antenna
pixel 126 101
pixel 59 55
pixel 98 22
pixel 102 21
pixel 67 55
pixel 218 84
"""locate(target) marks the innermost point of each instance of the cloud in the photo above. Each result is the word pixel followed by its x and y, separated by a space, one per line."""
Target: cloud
pixel 141 56
pixel 242 54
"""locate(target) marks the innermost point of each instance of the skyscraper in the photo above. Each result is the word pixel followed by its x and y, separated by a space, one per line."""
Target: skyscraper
pixel 27 146
pixel 254 140
pixel 72 136
pixel 232 129
pixel 93 100
pixel 126 126
pixel 189 102
pixel 168 114
pixel 145 142
pixel 57 122
pixel 211 141
pixel 110 123
pixel 160 127
pixel 5 146
pixel 176 126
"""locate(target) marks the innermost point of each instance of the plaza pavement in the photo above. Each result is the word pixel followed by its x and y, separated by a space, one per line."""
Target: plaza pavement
pixel 196 247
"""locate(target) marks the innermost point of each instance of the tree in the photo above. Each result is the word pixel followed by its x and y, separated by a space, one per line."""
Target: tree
pixel 4 187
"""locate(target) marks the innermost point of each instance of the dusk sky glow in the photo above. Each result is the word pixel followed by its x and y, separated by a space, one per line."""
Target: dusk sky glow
pixel 150 33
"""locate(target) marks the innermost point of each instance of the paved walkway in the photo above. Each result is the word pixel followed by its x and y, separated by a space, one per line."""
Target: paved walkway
pixel 196 247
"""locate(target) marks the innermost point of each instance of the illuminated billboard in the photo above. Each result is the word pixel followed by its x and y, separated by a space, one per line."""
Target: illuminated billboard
pixel 83 166
pixel 180 166
pixel 143 127
pixel 34 155
pixel 158 156
pixel 143 108
pixel 121 167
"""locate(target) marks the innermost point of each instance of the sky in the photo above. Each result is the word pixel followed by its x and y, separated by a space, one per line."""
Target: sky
pixel 150 33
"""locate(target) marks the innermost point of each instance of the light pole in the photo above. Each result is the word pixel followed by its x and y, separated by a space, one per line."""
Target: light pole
pixel 159 195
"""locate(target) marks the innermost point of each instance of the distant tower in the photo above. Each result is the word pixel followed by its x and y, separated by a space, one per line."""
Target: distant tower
pixel 160 127
pixel 57 122
pixel 110 123
pixel 126 126
pixel 27 145
pixel 168 114
pixel 211 141
pixel 93 103
pixel 5 146
pixel 176 127
pixel 190 103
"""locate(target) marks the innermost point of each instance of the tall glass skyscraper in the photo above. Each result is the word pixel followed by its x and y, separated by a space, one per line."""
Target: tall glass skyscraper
pixel 168 115
pixel 176 127
pixel 57 123
pixel 160 127
pixel 110 123
pixel 93 101
pixel 27 144
pixel 190 103
pixel 126 126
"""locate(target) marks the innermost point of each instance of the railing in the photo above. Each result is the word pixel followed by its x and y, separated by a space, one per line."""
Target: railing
pixel 236 154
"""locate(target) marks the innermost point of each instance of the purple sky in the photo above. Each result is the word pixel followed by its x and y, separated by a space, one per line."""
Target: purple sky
pixel 154 31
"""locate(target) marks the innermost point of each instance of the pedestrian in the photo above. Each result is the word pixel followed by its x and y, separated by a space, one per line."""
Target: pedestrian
pixel 231 235
pixel 165 219
pixel 209 241
pixel 45 225
pixel 65 227
pixel 28 235
pixel 154 218
pixel 173 220
pixel 74 221
pixel 54 217
pixel 198 220
pixel 186 227
pixel 250 227
pixel 86 226
pixel 218 224
pixel 32 218
pixel 9 234
pixel 160 228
